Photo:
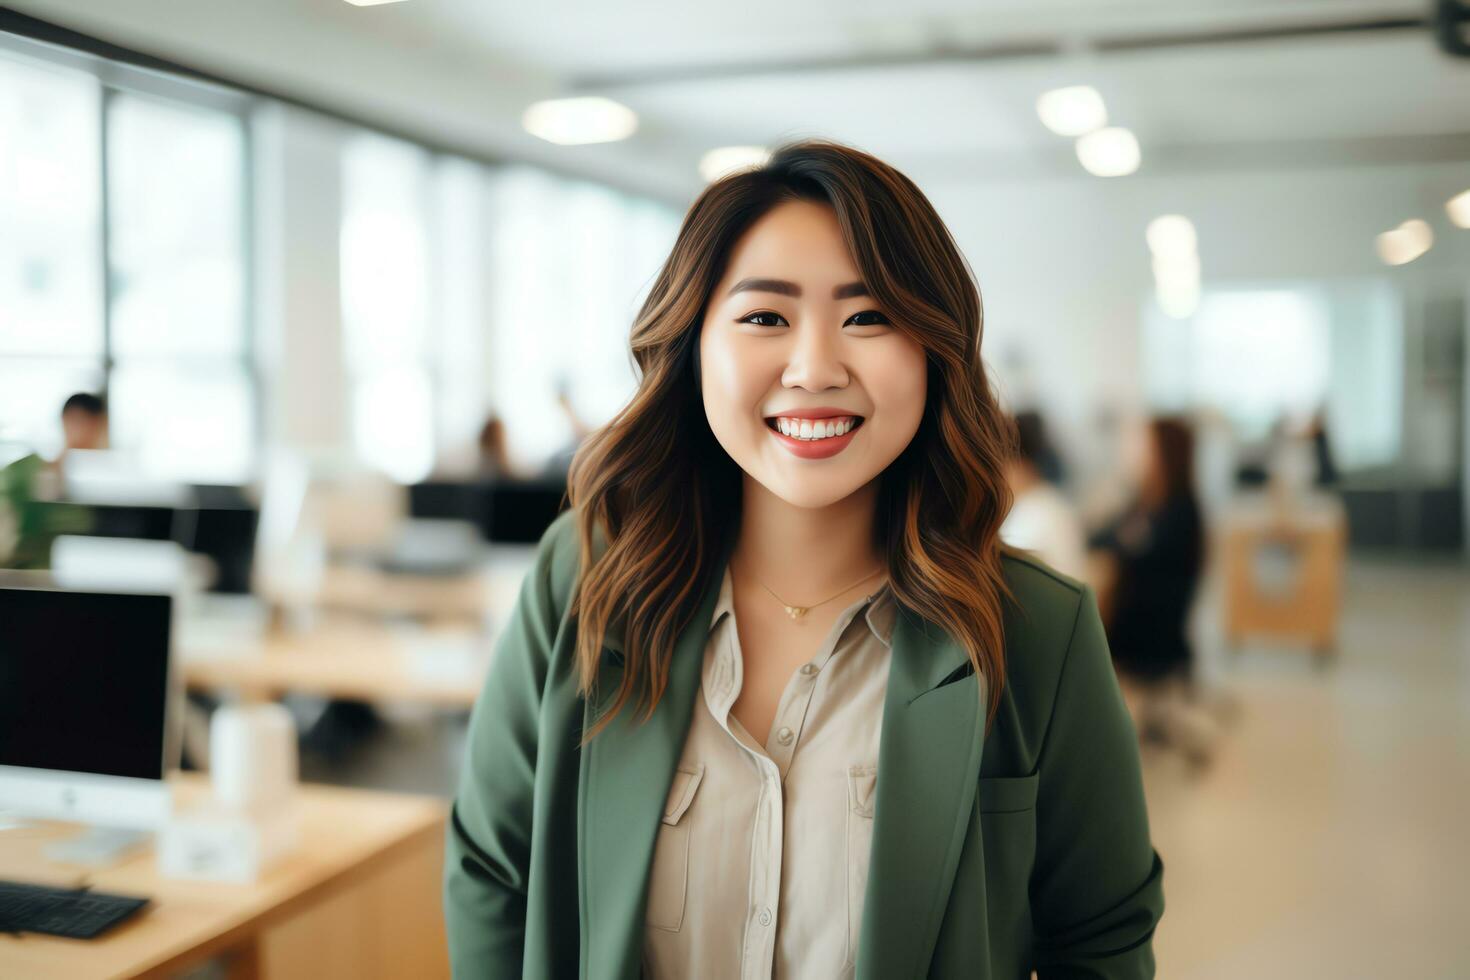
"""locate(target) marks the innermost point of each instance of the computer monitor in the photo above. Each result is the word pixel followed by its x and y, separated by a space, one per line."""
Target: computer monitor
pixel 85 706
pixel 520 512
pixel 224 531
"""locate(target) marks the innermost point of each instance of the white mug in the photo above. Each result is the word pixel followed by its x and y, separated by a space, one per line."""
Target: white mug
pixel 252 755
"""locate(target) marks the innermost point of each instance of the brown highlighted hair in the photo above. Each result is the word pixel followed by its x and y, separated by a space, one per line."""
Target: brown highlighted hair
pixel 655 482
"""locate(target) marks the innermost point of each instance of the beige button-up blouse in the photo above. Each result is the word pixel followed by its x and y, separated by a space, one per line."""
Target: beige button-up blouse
pixel 762 856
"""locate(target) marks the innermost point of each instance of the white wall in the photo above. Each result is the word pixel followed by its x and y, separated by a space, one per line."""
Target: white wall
pixel 1063 266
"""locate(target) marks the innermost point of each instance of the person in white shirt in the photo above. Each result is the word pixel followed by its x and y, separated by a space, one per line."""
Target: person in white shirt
pixel 1041 519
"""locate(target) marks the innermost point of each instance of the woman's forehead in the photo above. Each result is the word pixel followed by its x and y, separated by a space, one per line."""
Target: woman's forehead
pixel 797 241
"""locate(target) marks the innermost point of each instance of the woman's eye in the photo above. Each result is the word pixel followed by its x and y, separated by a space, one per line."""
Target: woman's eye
pixel 763 319
pixel 867 318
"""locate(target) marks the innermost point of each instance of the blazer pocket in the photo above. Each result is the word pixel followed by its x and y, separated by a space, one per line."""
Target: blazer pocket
pixel 668 881
pixel 1008 794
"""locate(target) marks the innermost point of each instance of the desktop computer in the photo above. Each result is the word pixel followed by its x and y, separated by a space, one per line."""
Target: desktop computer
pixel 85 706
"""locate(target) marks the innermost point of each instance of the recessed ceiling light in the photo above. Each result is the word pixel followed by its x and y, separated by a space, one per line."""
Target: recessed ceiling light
pixel 723 160
pixel 1405 243
pixel 584 119
pixel 1110 152
pixel 1458 208
pixel 1072 111
pixel 1171 234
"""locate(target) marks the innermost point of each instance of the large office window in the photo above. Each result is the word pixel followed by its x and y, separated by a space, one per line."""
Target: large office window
pixel 468 290
pixel 458 301
pixel 570 262
pixel 180 384
pixel 1259 355
pixel 51 337
pixel 385 304
pixel 123 268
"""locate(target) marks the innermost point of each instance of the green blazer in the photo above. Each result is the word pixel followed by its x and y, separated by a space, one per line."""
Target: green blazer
pixel 992 855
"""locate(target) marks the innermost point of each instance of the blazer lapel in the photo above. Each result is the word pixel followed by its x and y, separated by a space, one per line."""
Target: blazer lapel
pixel 928 770
pixel 625 775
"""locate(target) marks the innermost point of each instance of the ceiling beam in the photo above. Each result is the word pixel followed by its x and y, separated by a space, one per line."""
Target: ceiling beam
pixel 1011 50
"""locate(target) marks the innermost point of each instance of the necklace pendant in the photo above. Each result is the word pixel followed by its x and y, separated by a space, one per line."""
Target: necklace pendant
pixel 796 612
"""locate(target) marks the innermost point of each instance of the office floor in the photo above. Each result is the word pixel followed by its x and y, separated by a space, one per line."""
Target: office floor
pixel 1327 839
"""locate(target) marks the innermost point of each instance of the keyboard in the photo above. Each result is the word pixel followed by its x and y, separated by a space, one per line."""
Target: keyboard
pixel 69 912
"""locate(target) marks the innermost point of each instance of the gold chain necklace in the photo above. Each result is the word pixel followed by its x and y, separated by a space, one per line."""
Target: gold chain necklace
pixel 796 612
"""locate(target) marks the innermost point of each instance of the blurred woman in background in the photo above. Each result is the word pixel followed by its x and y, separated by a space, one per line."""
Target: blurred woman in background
pixel 1157 552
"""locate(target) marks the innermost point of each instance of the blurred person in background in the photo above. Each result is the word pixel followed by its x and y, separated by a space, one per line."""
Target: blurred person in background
pixel 30 517
pixel 1156 553
pixel 84 423
pixel 1316 431
pixel 1300 455
pixel 1041 519
pixel 560 461
pixel 495 461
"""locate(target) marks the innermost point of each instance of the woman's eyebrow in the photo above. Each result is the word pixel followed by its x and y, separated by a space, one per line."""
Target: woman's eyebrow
pixel 786 288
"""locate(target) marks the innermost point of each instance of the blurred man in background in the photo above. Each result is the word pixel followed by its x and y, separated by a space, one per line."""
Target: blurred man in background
pixel 83 423
pixel 29 520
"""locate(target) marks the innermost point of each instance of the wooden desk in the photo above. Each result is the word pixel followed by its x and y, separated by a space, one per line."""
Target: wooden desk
pixel 1283 565
pixel 489 589
pixel 349 659
pixel 359 898
pixel 357 656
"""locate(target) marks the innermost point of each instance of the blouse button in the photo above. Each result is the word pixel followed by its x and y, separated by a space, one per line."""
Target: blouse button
pixel 784 735
pixel 808 669
pixel 765 917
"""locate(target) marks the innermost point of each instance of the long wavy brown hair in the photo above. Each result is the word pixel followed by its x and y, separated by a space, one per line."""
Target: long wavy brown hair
pixel 660 491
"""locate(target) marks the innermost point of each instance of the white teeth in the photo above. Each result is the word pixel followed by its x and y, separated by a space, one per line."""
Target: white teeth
pixel 814 429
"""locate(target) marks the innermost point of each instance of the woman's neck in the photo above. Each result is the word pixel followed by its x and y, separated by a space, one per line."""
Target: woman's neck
pixel 807 554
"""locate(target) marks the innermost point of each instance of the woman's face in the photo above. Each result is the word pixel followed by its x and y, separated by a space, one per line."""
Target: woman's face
pixel 791 339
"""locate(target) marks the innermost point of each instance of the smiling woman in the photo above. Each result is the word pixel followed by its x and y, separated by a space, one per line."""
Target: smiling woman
pixel 775 700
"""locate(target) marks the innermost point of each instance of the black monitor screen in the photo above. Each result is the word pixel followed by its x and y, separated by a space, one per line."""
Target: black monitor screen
pixel 83 681
pixel 521 512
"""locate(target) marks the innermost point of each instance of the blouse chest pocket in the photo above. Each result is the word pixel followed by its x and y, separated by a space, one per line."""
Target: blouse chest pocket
pixel 862 784
pixel 668 881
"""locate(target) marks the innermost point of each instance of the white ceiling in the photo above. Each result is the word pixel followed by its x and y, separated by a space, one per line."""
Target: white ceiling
pixel 705 74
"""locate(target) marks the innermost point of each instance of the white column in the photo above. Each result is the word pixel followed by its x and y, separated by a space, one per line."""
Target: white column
pixel 297 208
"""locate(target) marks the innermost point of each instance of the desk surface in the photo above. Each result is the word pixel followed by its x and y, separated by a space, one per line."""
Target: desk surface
pixel 344 834
pixel 348 659
pixel 357 656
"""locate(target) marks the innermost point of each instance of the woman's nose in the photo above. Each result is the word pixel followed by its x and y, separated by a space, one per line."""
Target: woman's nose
pixel 815 361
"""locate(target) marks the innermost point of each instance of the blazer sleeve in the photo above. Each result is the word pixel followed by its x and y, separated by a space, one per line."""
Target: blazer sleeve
pixel 488 841
pixel 1097 885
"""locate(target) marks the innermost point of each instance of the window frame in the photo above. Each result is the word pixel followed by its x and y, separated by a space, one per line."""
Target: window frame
pixel 114 79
